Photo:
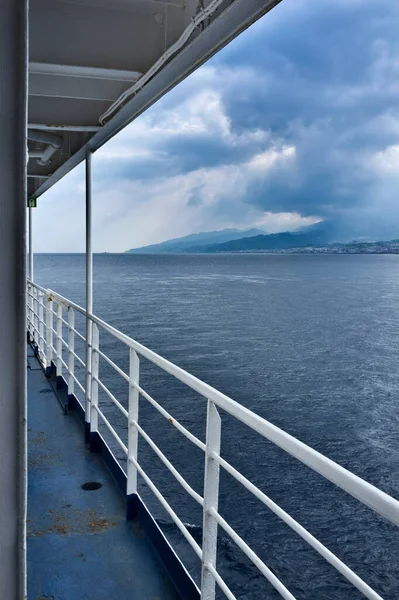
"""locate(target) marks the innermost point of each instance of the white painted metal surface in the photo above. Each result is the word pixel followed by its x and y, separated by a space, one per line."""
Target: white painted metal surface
pixel 211 500
pixel 89 283
pixel 47 127
pixel 133 418
pixel 37 68
pixel 383 504
pixel 94 380
pixel 30 241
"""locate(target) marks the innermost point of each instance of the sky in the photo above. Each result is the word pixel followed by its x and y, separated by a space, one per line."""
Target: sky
pixel 294 122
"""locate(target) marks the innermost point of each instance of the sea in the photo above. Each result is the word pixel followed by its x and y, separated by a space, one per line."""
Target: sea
pixel 310 343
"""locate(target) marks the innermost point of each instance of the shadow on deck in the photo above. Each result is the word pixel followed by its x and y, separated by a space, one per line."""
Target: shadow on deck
pixel 80 544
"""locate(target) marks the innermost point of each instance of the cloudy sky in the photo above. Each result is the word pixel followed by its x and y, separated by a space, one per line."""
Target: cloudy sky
pixel 294 122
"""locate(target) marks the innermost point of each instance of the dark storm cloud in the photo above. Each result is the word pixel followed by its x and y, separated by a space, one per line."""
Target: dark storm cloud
pixel 322 77
pixel 327 82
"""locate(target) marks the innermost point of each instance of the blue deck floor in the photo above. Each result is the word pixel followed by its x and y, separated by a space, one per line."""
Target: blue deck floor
pixel 79 544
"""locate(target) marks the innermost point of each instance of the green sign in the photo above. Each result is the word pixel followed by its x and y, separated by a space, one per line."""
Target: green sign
pixel 31 202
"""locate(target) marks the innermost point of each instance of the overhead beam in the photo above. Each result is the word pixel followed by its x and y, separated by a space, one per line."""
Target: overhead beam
pixel 234 19
pixel 61 111
pixel 88 88
pixel 45 127
pixel 85 72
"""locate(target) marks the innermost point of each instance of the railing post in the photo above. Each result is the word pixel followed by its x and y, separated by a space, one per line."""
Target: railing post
pixel 71 350
pixel 49 334
pixel 89 354
pixel 132 444
pixel 30 227
pixel 89 292
pixel 94 436
pixel 30 313
pixel 211 499
pixel 59 340
pixel 41 327
pixel 35 315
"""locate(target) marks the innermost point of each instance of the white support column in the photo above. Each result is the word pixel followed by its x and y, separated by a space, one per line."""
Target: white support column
pixel 49 334
pixel 30 312
pixel 58 346
pixel 211 500
pixel 41 326
pixel 94 389
pixel 134 374
pixel 31 274
pixel 36 315
pixel 13 195
pixel 132 444
pixel 89 295
pixel 71 350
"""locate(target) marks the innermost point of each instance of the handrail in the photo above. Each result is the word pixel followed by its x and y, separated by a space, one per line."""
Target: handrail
pixel 37 286
pixel 368 494
pixel 380 502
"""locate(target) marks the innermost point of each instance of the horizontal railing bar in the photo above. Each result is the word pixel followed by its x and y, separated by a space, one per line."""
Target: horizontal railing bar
pixel 36 315
pixel 53 312
pixel 366 493
pixel 65 343
pixel 168 464
pixel 37 334
pixel 82 362
pixel 227 592
pixel 115 366
pixel 111 429
pixel 275 582
pixel 37 286
pixel 168 508
pixel 361 585
pixel 54 331
pixel 64 364
pixel 67 303
pixel 169 417
pixel 82 337
pixel 112 397
pixel 76 380
pixel 64 321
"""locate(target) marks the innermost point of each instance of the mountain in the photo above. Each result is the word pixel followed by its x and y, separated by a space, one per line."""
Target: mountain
pixel 319 235
pixel 196 242
pixel 314 235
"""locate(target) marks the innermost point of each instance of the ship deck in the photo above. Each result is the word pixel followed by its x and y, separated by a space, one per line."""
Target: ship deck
pixel 79 543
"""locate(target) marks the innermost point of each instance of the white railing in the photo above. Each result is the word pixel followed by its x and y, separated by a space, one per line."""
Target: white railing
pixel 40 317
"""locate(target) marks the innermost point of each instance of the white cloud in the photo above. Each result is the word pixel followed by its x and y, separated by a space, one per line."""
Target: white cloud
pixel 387 160
pixel 284 221
pixel 270 158
pixel 198 115
pixel 133 212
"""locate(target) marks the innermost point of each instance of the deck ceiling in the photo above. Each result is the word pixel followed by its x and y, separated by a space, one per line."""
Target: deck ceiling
pixel 84 54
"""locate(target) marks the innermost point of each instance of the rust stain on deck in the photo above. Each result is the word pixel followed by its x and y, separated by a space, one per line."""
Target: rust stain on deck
pixel 69 520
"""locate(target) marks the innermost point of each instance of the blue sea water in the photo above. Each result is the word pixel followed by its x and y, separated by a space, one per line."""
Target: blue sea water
pixel 311 343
